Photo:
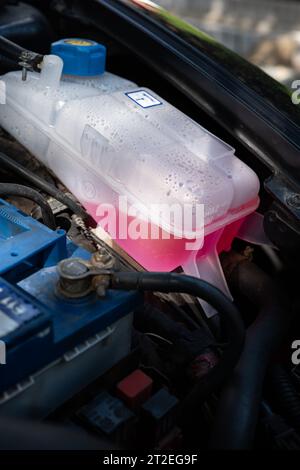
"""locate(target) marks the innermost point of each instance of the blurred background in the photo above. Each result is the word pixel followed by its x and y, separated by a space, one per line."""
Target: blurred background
pixel 266 32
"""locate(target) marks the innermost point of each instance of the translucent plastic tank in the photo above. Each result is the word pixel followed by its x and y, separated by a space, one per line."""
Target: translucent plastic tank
pixel 106 137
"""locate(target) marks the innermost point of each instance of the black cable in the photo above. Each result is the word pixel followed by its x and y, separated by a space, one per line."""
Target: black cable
pixel 279 433
pixel 18 169
pixel 171 282
pixel 285 395
pixel 238 407
pixel 186 317
pixel 189 343
pixel 9 189
pixel 19 55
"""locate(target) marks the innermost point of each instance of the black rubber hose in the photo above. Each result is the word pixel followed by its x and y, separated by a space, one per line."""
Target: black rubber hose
pixel 9 189
pixel 285 395
pixel 19 55
pixel 18 169
pixel 170 282
pixel 238 407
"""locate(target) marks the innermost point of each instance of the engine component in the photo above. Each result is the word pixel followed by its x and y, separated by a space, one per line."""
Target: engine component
pixel 18 169
pixel 78 277
pixel 81 57
pixel 73 341
pixel 108 415
pixel 65 314
pixel 165 282
pixel 285 395
pixel 135 388
pixel 158 416
pixel 105 137
pixel 26 245
pixel 239 403
pixel 8 189
pixel 25 25
pixel 279 433
pixel 191 352
pixel 26 59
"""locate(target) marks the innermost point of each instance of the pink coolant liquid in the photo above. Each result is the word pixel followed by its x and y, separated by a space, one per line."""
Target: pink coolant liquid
pixel 168 254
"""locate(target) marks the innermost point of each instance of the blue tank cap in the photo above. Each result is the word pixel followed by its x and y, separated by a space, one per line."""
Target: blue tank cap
pixel 80 56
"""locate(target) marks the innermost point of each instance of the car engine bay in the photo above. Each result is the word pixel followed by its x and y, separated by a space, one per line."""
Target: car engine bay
pixel 118 342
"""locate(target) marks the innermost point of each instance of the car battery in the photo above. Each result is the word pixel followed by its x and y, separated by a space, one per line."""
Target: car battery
pixel 55 346
pixel 26 245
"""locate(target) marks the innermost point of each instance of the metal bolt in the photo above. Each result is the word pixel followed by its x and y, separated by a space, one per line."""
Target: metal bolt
pixel 293 200
pixel 101 291
pixel 103 259
pixel 78 277
pixel 24 74
pixel 72 268
pixel 73 279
